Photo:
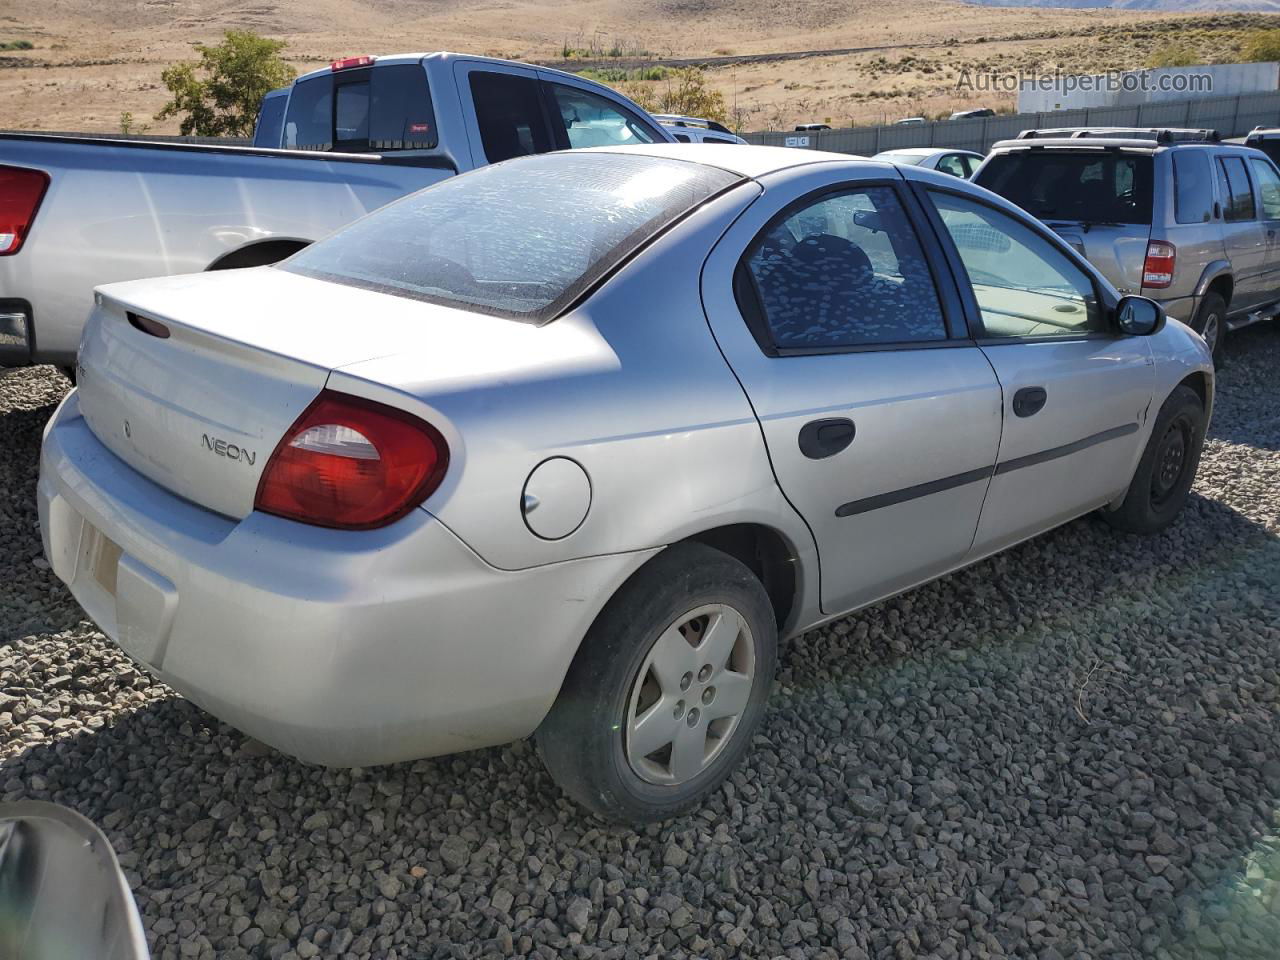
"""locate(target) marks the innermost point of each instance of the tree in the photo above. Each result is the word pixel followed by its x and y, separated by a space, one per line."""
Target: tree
pixel 685 93
pixel 1261 46
pixel 240 71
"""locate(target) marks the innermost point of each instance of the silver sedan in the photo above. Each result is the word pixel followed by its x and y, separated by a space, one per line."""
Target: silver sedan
pixel 567 446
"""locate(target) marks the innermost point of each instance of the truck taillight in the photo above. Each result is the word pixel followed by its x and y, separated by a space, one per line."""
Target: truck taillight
pixel 348 62
pixel 21 191
pixel 1157 271
pixel 352 463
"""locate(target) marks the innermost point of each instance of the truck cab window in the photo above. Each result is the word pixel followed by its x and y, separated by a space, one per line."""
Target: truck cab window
pixel 270 125
pixel 509 113
pixel 308 123
pixel 351 116
pixel 591 120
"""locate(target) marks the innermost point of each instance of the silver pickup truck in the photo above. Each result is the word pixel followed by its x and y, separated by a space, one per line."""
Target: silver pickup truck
pixel 339 142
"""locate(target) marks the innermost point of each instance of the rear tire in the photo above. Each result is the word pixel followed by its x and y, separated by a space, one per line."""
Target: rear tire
pixel 667 689
pixel 1168 466
pixel 1210 322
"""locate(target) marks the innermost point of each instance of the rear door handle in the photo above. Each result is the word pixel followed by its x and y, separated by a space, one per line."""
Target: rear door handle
pixel 1029 401
pixel 826 438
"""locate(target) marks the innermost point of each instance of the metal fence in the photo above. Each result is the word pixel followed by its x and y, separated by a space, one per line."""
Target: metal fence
pixel 1230 116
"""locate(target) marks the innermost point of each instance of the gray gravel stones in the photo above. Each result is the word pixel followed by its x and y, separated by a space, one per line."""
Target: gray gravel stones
pixel 1068 751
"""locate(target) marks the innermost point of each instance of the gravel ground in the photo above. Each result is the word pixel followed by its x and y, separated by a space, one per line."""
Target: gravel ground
pixel 1070 750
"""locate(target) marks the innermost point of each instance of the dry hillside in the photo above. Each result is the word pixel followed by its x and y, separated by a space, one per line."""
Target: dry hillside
pixel 92 60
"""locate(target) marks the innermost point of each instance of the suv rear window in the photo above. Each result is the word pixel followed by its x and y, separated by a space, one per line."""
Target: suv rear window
pixel 519 240
pixel 1089 186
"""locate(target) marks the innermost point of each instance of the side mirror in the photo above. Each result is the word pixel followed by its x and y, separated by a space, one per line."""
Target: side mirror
pixel 62 893
pixel 1139 316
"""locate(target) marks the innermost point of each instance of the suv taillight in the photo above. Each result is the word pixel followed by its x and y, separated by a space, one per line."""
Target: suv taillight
pixel 21 191
pixel 352 463
pixel 1157 271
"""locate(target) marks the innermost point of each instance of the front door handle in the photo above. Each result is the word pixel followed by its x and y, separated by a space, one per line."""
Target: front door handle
pixel 1029 401
pixel 826 438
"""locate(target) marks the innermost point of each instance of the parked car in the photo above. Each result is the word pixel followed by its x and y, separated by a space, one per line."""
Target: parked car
pixel 910 121
pixel 958 163
pixel 977 114
pixel 1266 139
pixel 1172 214
pixel 355 135
pixel 804 127
pixel 696 129
pixel 574 462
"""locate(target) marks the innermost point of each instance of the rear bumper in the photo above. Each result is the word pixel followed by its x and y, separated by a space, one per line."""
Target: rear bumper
pixel 342 648
pixel 1180 308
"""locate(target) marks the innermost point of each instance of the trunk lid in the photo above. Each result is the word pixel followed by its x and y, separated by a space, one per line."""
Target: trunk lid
pixel 200 411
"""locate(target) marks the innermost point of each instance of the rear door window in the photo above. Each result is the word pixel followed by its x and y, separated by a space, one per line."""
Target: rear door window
pixel 953 163
pixel 1193 197
pixel 845 270
pixel 1237 190
pixel 591 120
pixel 1085 186
pixel 509 112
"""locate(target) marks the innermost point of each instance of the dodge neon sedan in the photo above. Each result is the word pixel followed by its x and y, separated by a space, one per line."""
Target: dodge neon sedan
pixel 567 446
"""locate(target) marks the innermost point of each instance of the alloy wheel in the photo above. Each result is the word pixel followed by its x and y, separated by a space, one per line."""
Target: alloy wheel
pixel 689 695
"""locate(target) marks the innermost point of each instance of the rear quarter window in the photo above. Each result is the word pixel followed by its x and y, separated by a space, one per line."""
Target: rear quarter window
pixel 1092 186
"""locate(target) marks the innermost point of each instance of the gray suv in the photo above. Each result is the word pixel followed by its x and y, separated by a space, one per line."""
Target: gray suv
pixel 1175 215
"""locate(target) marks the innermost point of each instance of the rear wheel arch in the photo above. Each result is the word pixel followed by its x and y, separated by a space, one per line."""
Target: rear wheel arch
pixel 767 554
pixel 1223 286
pixel 259 253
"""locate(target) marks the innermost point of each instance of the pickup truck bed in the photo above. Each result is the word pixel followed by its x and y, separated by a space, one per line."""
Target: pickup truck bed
pixel 360 134
pixel 126 209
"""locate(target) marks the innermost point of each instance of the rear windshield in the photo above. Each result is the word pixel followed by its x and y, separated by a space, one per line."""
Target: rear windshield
pixel 520 239
pixel 1092 187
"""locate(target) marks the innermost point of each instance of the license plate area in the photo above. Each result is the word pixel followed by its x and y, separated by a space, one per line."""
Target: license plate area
pixel 100 558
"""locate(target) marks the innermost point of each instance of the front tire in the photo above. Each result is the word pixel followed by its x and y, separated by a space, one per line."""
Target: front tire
pixel 667 690
pixel 1210 322
pixel 1168 466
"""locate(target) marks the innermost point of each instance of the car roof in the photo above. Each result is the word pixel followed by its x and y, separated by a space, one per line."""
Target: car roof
pixel 924 151
pixel 746 160
pixel 385 59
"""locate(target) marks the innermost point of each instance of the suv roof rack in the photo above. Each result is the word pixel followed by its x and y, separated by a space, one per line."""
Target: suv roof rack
pixel 677 120
pixel 1158 134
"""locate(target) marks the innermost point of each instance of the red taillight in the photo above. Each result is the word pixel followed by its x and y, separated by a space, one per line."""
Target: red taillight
pixel 348 62
pixel 1157 271
pixel 21 191
pixel 352 463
